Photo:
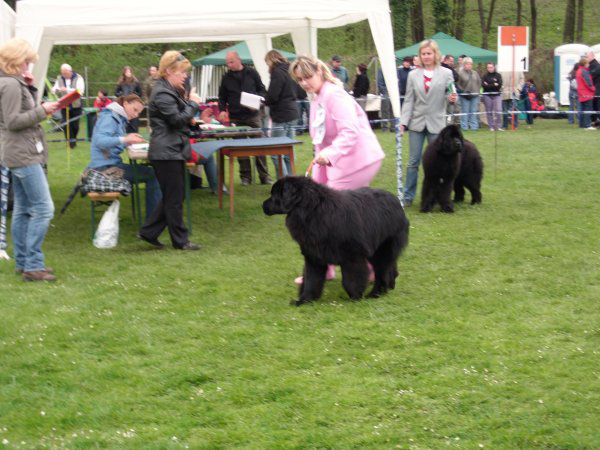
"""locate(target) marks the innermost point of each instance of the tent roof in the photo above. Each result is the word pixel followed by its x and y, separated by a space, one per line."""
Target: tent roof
pixel 116 21
pixel 452 46
pixel 218 58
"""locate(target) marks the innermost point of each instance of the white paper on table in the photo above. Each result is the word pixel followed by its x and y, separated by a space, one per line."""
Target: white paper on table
pixel 251 101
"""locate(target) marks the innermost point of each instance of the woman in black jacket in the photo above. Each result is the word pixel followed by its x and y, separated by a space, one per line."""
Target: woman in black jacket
pixel 170 118
pixel 281 100
pixel 129 84
pixel 492 100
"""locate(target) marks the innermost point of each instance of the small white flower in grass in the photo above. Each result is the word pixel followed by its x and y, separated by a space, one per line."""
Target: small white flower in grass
pixel 480 445
pixel 174 438
pixel 5 441
pixel 42 413
pixel 540 401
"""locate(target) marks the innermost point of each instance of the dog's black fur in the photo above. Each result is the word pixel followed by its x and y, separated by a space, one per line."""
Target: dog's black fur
pixel 470 174
pixel 450 162
pixel 346 228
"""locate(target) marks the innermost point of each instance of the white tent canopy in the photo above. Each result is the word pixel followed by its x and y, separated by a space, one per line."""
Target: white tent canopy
pixel 7 22
pixel 45 23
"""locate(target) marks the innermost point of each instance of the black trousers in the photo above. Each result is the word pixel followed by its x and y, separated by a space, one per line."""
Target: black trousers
pixel 73 125
pixel 261 161
pixel 169 211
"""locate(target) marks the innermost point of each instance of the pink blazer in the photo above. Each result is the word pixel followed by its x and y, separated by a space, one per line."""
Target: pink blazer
pixel 349 142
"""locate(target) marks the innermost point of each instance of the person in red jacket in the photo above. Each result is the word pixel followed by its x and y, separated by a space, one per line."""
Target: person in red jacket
pixel 585 93
pixel 102 101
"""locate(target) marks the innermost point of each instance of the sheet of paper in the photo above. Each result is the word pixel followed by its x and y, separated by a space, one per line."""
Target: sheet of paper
pixel 251 101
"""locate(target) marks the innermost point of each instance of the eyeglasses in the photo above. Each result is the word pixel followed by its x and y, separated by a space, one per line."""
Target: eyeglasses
pixel 180 57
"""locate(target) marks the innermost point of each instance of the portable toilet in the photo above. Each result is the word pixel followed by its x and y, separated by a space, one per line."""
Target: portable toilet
pixel 565 58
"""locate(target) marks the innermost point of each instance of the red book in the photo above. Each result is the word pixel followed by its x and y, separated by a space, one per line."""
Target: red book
pixel 65 101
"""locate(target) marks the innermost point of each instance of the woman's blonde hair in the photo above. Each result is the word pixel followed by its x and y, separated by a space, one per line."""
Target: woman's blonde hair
pixel 14 53
pixel 433 46
pixel 174 61
pixel 307 66
pixel 274 58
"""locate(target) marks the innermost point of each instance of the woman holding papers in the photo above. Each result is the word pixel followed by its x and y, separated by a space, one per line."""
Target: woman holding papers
pixel 110 139
pixel 171 115
pixel 24 151
pixel 347 153
pixel 424 108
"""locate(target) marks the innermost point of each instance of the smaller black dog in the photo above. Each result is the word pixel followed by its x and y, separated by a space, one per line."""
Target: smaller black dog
pixel 470 174
pixel 450 162
pixel 346 228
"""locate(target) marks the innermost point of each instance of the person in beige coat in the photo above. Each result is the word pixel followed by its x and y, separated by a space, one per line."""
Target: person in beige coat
pixel 24 151
pixel 428 89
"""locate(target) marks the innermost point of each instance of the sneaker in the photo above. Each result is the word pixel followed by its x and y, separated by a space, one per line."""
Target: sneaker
pixel 39 275
pixel 245 182
pixel 500 129
pixel 154 242
pixel 590 128
pixel 189 246
pixel 266 181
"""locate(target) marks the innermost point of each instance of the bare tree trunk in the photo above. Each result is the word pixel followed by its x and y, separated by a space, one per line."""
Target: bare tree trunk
pixel 418 26
pixel 459 13
pixel 485 26
pixel 533 37
pixel 569 25
pixel 579 29
pixel 519 12
pixel 488 26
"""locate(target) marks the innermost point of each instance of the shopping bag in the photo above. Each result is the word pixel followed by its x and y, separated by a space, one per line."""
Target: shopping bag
pixel 107 234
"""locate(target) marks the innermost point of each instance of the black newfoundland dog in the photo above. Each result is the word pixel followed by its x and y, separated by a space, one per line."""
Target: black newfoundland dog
pixel 450 162
pixel 346 228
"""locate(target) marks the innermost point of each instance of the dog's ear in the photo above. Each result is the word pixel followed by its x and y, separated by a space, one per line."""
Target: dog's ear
pixel 290 195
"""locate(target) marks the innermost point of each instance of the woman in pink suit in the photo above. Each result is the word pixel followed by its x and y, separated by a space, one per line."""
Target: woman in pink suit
pixel 347 153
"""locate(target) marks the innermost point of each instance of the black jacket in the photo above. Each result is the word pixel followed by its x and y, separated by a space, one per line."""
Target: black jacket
pixel 454 72
pixel 129 88
pixel 492 83
pixel 403 79
pixel 230 92
pixel 170 117
pixel 361 85
pixel 595 73
pixel 281 96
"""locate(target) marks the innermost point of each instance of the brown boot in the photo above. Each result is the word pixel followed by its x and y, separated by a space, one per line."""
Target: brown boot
pixel 40 275
pixel 47 269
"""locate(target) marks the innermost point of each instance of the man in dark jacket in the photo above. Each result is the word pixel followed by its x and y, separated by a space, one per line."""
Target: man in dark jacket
pixel 236 80
pixel 595 73
pixel 451 108
pixel 403 72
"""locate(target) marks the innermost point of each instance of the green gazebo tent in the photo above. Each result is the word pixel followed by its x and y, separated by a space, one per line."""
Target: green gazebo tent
pixel 452 46
pixel 218 58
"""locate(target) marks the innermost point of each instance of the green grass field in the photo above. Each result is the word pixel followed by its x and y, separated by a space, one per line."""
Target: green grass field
pixel 491 338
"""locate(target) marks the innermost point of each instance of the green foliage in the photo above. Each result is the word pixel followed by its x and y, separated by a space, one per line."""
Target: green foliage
pixel 441 15
pixel 490 339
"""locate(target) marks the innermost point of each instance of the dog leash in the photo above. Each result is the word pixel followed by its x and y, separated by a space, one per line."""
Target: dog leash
pixel 309 169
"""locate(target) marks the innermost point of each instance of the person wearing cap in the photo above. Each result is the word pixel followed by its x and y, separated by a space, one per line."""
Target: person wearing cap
pixel 339 71
pixel 403 72
pixel 67 82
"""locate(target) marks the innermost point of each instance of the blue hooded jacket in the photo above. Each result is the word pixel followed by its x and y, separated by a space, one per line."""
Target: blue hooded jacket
pixel 107 145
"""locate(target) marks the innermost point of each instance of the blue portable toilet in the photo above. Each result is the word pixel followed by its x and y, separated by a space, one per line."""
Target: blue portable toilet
pixel 565 58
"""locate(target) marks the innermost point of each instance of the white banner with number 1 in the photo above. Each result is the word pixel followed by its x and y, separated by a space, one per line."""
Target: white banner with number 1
pixel 513 49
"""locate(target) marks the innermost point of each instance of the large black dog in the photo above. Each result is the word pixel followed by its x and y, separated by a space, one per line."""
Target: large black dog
pixel 450 162
pixel 346 228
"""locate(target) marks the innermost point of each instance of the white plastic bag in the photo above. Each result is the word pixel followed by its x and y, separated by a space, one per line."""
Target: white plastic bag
pixel 107 233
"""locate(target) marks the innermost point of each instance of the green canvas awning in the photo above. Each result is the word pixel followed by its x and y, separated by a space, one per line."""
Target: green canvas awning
pixel 452 46
pixel 218 58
